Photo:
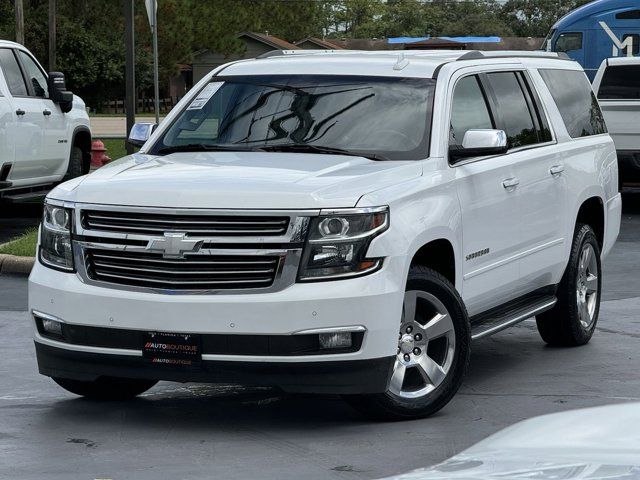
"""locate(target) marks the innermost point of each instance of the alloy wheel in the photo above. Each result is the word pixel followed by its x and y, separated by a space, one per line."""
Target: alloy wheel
pixel 426 346
pixel 587 289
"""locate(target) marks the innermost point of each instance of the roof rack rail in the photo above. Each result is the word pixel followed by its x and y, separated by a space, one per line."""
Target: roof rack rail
pixel 477 54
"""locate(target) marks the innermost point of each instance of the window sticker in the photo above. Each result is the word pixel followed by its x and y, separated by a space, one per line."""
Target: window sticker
pixel 205 95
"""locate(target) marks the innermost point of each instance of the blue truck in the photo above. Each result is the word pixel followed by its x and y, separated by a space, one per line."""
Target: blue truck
pixel 597 30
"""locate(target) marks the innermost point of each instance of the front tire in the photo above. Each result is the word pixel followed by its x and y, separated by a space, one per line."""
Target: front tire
pixel 572 321
pixel 106 388
pixel 433 351
pixel 75 168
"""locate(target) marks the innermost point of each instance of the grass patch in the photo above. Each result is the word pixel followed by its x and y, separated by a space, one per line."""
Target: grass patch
pixel 23 246
pixel 115 147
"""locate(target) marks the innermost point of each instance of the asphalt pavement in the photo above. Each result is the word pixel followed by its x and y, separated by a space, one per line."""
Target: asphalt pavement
pixel 202 431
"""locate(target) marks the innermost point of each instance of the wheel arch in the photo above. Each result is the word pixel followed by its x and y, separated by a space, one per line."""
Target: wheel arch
pixel 82 139
pixel 438 254
pixel 591 212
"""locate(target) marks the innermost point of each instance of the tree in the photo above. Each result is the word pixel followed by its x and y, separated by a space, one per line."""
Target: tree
pixel 534 18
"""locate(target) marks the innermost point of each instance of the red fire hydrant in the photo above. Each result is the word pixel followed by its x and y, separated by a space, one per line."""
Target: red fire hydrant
pixel 99 155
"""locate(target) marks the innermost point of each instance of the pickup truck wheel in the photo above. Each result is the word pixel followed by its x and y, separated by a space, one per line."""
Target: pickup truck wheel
pixel 573 319
pixel 433 351
pixel 106 388
pixel 75 164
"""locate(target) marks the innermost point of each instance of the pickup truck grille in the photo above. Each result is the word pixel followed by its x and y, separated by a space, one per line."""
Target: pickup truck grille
pixel 194 272
pixel 192 225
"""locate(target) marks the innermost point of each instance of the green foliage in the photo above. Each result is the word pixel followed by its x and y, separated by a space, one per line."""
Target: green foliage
pixel 534 18
pixel 23 246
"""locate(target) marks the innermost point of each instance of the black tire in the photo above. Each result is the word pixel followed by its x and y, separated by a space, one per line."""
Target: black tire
pixel 562 325
pixel 389 406
pixel 106 388
pixel 75 168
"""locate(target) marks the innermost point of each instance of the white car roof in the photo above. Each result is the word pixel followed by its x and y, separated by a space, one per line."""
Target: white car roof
pixel 393 63
pixel 623 61
pixel 9 44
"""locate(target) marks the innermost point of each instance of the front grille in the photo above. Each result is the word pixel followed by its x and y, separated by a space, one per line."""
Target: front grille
pixel 192 225
pixel 194 272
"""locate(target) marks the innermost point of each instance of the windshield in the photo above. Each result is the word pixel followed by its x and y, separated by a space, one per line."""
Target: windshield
pixel 379 117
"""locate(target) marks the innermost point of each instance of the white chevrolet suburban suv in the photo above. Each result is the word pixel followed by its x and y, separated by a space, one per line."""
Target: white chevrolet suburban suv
pixel 335 223
pixel 44 129
pixel 617 86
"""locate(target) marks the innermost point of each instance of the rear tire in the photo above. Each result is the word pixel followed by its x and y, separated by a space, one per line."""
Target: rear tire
pixel 75 168
pixel 433 352
pixel 106 388
pixel 572 321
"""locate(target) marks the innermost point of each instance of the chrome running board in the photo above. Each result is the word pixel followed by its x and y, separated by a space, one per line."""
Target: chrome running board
pixel 495 320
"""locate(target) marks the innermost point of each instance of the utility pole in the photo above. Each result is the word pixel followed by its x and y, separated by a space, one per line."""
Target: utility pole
pixel 130 81
pixel 19 22
pixel 52 35
pixel 152 12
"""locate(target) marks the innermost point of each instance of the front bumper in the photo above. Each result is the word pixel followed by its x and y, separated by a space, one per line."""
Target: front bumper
pixel 344 377
pixel 373 302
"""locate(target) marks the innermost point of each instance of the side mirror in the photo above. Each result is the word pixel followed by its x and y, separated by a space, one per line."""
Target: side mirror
pixel 479 143
pixel 140 133
pixel 58 92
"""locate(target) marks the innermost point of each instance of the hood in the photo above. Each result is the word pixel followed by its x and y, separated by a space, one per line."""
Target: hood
pixel 244 180
pixel 593 443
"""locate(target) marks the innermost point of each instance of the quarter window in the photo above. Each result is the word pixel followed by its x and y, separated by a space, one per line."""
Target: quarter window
pixel 34 75
pixel 513 111
pixel 12 73
pixel 620 82
pixel 576 101
pixel 567 42
pixel 469 110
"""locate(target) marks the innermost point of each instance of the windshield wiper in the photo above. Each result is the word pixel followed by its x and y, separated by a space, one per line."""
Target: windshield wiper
pixel 307 148
pixel 203 147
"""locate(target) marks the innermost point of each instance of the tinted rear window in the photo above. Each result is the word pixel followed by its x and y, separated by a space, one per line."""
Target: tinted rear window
pixel 576 101
pixel 620 82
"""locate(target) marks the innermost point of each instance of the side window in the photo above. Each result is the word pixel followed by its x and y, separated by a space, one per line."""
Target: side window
pixel 567 42
pixel 12 73
pixel 620 82
pixel 469 110
pixel 576 101
pixel 635 38
pixel 34 75
pixel 513 112
pixel 628 15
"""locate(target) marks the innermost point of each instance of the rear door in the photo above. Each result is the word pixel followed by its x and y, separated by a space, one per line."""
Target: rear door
pixel 539 170
pixel 26 129
pixel 7 120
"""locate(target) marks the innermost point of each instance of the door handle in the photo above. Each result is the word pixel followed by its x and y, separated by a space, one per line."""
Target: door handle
pixel 510 183
pixel 46 112
pixel 20 112
pixel 556 169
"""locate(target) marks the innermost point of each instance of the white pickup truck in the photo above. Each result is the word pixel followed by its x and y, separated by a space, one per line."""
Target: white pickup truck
pixel 44 129
pixel 342 222
pixel 617 85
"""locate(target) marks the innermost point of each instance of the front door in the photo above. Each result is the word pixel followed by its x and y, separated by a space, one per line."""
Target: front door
pixel 54 154
pixel 489 206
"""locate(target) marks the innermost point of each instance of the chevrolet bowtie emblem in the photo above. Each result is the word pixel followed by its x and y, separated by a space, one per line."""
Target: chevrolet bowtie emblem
pixel 173 245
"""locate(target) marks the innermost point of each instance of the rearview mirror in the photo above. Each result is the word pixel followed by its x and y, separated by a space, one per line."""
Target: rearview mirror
pixel 140 133
pixel 479 143
pixel 58 92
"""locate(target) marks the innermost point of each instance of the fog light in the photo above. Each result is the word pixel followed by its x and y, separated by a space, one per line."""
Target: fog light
pixel 51 326
pixel 335 340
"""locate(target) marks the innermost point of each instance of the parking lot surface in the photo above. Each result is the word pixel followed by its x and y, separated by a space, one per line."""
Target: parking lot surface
pixel 203 431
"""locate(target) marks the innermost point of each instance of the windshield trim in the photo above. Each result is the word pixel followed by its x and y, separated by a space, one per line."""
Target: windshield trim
pixel 421 152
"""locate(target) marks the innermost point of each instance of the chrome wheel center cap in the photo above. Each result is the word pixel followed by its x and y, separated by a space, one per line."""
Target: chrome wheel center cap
pixel 406 343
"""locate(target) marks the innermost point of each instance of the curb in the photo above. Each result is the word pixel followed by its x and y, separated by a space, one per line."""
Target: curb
pixel 15 264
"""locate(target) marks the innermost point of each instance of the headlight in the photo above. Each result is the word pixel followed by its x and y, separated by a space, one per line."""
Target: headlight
pixel 338 243
pixel 55 238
